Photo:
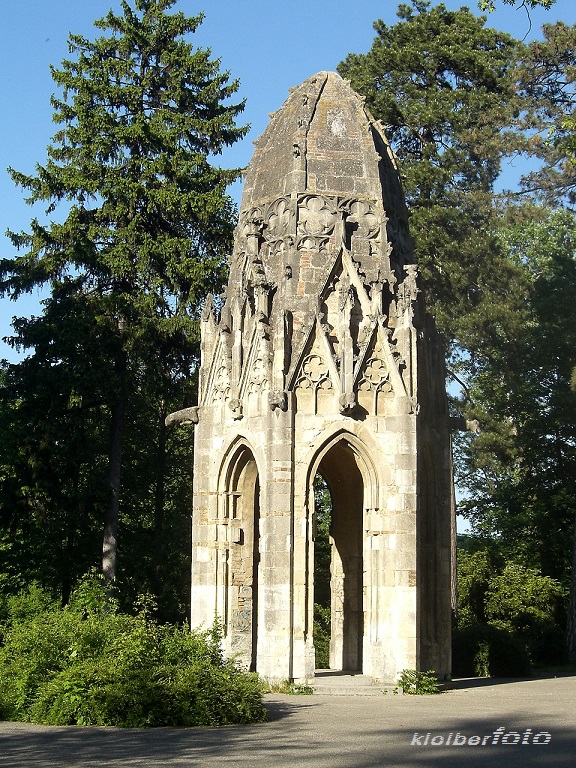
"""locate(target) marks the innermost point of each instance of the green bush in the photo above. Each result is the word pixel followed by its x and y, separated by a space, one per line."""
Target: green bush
pixel 482 650
pixel 26 605
pixel 531 607
pixel 513 600
pixel 414 682
pixel 88 664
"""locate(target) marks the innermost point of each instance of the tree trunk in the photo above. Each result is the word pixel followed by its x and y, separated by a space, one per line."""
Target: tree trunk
pixel 159 502
pixel 571 624
pixel 453 543
pixel 110 539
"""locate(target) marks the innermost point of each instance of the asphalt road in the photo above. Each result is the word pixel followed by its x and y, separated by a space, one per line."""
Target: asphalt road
pixel 336 732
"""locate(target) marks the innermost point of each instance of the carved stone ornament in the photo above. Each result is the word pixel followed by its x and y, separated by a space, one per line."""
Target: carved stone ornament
pixel 241 620
pixel 375 372
pixel 253 222
pixel 207 309
pixel 347 402
pixel 316 216
pixel 363 216
pixel 315 244
pixel 375 377
pixel 259 373
pixel 314 372
pixel 221 388
pixel 346 292
pixel 278 399
pixel 277 219
pixel 183 417
pixel 410 281
pixel 236 408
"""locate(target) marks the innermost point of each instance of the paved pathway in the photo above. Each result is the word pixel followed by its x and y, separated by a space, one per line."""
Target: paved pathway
pixel 334 732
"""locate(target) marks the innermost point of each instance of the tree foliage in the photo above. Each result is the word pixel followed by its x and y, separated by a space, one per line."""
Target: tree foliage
pixel 440 83
pixel 520 471
pixel 546 75
pixel 490 5
pixel 507 603
pixel 146 223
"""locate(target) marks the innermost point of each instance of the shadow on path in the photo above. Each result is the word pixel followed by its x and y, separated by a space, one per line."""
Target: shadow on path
pixel 333 732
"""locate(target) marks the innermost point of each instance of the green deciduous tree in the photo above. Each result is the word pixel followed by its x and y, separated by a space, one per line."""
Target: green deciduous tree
pixel 146 224
pixel 516 601
pixel 521 471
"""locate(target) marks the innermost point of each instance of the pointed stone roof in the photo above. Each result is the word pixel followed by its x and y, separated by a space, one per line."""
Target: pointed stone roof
pixel 322 140
pixel 322 176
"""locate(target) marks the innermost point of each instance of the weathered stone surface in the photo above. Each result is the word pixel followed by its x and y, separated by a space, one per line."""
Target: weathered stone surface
pixel 322 359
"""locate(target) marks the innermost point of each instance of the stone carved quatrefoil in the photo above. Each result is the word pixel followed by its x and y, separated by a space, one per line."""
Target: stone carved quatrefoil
pixel 366 221
pixel 278 220
pixel 315 217
pixel 375 373
pixel 314 373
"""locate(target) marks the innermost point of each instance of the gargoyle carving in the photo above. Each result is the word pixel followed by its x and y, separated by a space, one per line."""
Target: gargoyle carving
pixel 236 408
pixel 184 417
pixel 277 399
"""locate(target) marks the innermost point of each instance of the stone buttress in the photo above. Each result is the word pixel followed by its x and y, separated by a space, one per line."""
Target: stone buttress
pixel 319 358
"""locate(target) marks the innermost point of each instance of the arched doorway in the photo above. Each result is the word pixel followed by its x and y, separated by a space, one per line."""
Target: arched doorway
pixel 339 470
pixel 243 512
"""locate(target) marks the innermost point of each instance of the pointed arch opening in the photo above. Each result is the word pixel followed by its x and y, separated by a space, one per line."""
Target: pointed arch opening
pixel 339 490
pixel 242 495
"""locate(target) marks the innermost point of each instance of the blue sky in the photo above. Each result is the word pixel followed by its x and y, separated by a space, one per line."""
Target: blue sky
pixel 269 46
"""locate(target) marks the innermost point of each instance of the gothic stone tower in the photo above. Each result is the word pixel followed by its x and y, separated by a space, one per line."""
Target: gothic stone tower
pixel 321 360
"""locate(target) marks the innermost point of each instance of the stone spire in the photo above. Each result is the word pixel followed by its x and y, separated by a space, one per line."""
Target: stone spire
pixel 322 235
pixel 322 173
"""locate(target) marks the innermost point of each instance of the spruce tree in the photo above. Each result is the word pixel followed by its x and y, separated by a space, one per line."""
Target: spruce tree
pixel 146 219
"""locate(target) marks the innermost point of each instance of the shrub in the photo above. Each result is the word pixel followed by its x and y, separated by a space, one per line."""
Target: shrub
pixel 25 605
pixel 530 606
pixel 414 682
pixel 474 573
pixel 482 650
pixel 88 664
pixel 514 601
